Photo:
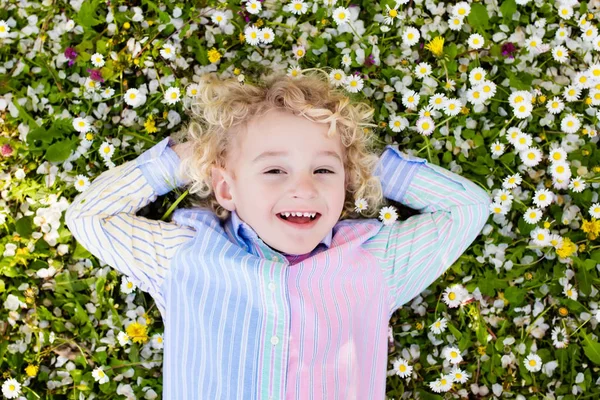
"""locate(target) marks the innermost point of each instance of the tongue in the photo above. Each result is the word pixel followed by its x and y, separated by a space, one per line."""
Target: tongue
pixel 299 220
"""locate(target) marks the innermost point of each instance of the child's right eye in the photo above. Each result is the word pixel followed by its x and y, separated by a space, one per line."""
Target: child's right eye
pixel 271 170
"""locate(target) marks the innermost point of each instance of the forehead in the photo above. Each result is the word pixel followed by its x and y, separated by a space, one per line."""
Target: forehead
pixel 279 130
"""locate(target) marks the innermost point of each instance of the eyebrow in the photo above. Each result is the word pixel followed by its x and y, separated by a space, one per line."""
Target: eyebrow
pixel 268 154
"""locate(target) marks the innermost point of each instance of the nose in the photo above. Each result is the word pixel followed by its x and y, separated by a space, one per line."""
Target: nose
pixel 305 187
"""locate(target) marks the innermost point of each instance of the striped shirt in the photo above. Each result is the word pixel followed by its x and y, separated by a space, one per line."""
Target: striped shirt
pixel 243 321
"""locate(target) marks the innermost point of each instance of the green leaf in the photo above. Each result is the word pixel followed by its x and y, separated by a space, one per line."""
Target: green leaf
pixel 87 16
pixel 478 17
pixel 591 348
pixel 60 151
pixel 451 51
pixel 514 295
pixel 80 252
pixel 584 278
pixel 23 226
pixel 428 396
pixel 508 8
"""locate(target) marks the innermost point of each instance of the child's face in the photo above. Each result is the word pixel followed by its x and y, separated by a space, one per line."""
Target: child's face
pixel 261 188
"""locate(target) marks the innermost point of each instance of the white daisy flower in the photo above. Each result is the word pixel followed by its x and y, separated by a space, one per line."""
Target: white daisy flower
pixel 523 110
pixel 450 85
pixel 341 15
pixel 565 12
pixel 452 107
pixel 123 338
pixel 157 341
pixel 475 95
pixel 253 6
pixel 497 148
pixel 488 88
pixel 594 94
pixel 570 291
pixel 504 196
pixel 360 205
pixel 570 124
pixel 555 105
pixel 97 60
pixel 461 9
pixel 127 286
pixel 91 85
pixel 589 33
pixel 294 71
pixel 252 35
pixel 499 208
pixel 594 210
pixel 512 181
pixel 522 141
pixel 134 98
pixel 556 240
pixel 266 35
pixel 475 41
pixel 571 93
pixel 388 215
pixel 452 355
pixel 411 36
pixel 390 14
pixel 410 99
pixel 596 43
pixel 428 111
pixel 107 93
pixel 543 198
pixel 297 7
pixel 455 22
pixel 560 170
pixel 558 154
pixel 531 157
pixel 106 150
pixel 398 123
pixel 346 60
pixel 442 384
pixel 532 215
pixel 512 134
pixel 439 326
pixel 437 101
pixel 560 339
pixel 192 90
pixel 477 75
pixel 533 44
pixel 81 183
pixel 422 70
pixel 99 375
pixel 401 368
pixel 540 236
pixel 533 362
pixel 560 54
pixel 518 97
pixel 81 125
pixel 459 376
pixel 69 25
pixel 337 77
pixel 577 185
pixel 4 29
pixel 220 18
pixel 454 295
pixel 562 34
pixel 172 96
pixel 11 388
pixel 299 51
pixel 582 80
pixel 425 126
pixel 168 51
pixel 354 83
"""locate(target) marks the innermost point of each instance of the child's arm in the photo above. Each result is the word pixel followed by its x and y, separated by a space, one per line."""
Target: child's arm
pixel 453 212
pixel 103 220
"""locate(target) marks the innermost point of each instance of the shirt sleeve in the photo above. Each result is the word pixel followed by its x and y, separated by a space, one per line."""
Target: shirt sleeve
pixel 103 218
pixel 416 251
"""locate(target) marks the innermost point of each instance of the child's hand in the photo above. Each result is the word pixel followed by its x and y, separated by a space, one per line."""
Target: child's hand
pixel 183 150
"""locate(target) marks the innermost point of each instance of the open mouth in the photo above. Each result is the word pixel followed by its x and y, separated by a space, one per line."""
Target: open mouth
pixel 299 221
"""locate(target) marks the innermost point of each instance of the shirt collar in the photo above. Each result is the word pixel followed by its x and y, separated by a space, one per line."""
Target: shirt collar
pixel 243 230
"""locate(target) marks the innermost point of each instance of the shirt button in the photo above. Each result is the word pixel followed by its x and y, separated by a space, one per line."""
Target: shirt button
pixel 274 340
pixel 275 258
pixel 272 286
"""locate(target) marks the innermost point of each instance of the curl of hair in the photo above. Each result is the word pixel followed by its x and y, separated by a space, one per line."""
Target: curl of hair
pixel 225 106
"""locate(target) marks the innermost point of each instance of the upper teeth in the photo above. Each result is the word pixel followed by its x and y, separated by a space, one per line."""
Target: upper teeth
pixel 298 214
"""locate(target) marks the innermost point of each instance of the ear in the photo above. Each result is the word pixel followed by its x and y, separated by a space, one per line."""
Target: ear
pixel 220 184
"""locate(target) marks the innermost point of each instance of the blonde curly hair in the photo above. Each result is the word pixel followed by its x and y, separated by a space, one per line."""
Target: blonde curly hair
pixel 224 107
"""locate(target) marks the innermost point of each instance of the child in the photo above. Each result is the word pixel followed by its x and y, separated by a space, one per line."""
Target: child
pixel 258 303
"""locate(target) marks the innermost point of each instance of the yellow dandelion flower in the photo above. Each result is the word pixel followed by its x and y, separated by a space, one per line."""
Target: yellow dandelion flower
pixel 436 46
pixel 150 125
pixel 567 249
pixel 214 55
pixel 32 370
pixel 137 332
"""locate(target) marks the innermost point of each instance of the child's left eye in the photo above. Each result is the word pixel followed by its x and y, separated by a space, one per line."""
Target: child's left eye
pixel 320 169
